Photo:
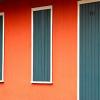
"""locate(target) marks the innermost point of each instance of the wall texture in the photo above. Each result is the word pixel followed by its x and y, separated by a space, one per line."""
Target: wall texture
pixel 17 72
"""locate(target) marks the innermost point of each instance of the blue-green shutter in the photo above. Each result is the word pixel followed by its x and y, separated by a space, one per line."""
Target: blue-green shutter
pixel 89 63
pixel 41 45
pixel 1 45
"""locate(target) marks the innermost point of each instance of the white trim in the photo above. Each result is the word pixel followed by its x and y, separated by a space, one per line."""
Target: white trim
pixel 41 82
pixel 78 28
pixel 2 14
pixel 31 45
pixel 32 10
pixel 42 8
pixel 51 44
pixel 87 1
pixel 78 41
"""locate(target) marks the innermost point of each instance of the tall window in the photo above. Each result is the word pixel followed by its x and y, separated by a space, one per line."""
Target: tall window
pixel 89 51
pixel 42 45
pixel 1 46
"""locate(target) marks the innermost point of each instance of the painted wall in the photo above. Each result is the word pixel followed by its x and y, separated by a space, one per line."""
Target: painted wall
pixel 17 70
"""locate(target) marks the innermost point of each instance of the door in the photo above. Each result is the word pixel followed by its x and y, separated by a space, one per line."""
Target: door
pixel 89 51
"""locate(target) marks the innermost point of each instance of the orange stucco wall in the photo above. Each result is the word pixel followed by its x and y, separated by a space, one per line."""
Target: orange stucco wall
pixel 17 71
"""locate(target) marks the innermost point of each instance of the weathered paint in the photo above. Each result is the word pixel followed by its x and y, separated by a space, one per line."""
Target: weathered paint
pixel 17 85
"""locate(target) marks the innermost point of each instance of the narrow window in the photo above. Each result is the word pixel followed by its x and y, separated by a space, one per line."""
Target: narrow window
pixel 1 46
pixel 42 45
pixel 89 51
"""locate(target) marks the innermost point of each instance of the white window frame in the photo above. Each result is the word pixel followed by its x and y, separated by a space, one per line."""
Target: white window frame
pixel 32 11
pixel 2 14
pixel 78 40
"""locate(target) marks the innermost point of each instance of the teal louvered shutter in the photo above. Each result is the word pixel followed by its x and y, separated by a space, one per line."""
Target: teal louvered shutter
pixel 89 59
pixel 1 48
pixel 42 45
